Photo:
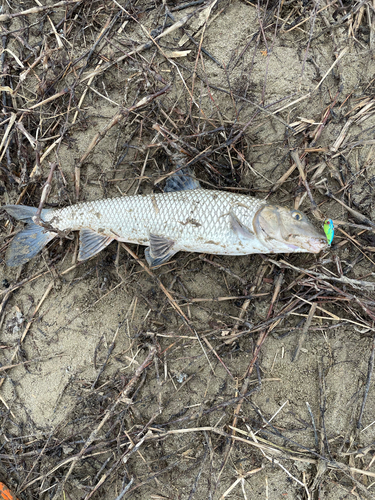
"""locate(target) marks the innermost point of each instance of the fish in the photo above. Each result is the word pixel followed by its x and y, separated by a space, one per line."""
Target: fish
pixel 185 217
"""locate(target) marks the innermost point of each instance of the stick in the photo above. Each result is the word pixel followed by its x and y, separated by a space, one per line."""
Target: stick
pixel 297 161
pixel 142 47
pixel 341 55
pixel 368 382
pixel 356 214
pixel 306 327
pixel 123 113
pixel 36 10
pixel 172 302
pixel 120 398
pixel 45 193
pixel 261 339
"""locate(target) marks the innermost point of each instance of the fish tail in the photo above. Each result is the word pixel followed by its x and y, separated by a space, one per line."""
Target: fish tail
pixel 28 242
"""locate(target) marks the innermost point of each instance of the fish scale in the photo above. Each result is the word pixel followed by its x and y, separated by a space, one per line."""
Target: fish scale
pixel 197 220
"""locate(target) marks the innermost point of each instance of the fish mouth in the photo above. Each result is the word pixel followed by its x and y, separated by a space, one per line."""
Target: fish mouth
pixel 311 245
pixel 314 245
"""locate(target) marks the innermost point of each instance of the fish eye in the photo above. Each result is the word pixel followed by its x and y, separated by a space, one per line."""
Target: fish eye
pixel 297 215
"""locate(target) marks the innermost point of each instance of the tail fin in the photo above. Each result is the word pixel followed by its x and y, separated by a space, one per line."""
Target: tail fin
pixel 27 243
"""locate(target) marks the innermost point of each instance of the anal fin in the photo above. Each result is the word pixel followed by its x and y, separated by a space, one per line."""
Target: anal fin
pixel 91 243
pixel 159 251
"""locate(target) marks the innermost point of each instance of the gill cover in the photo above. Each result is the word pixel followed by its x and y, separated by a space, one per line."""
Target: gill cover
pixel 268 222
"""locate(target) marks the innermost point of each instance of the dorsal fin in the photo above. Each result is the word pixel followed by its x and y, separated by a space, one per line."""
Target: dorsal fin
pixel 182 180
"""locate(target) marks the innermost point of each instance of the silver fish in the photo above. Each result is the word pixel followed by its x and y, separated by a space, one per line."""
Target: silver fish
pixel 183 217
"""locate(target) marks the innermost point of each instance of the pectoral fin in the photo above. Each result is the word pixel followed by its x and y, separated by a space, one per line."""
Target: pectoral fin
pixel 159 251
pixel 239 228
pixel 91 243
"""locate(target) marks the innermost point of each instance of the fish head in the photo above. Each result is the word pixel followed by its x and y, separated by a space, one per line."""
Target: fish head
pixel 286 231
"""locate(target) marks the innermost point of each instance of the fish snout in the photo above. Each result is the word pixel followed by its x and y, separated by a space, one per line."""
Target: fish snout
pixel 317 244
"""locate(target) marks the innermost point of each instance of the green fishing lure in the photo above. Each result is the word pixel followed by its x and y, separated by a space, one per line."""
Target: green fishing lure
pixel 329 230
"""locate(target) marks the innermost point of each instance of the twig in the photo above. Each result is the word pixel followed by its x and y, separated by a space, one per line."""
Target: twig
pixel 297 161
pixel 244 388
pixel 343 279
pixel 322 408
pixel 45 193
pixel 3 368
pixel 30 322
pixel 142 47
pixel 368 382
pixel 125 490
pixel 304 331
pixel 313 424
pixel 224 269
pixel 122 397
pixel 355 213
pixel 124 113
pixel 172 302
pixel 306 96
pixel 36 10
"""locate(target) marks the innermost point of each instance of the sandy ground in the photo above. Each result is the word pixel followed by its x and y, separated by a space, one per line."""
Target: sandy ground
pixel 290 77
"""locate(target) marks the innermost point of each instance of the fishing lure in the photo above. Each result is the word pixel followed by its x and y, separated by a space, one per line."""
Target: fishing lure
pixel 329 230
